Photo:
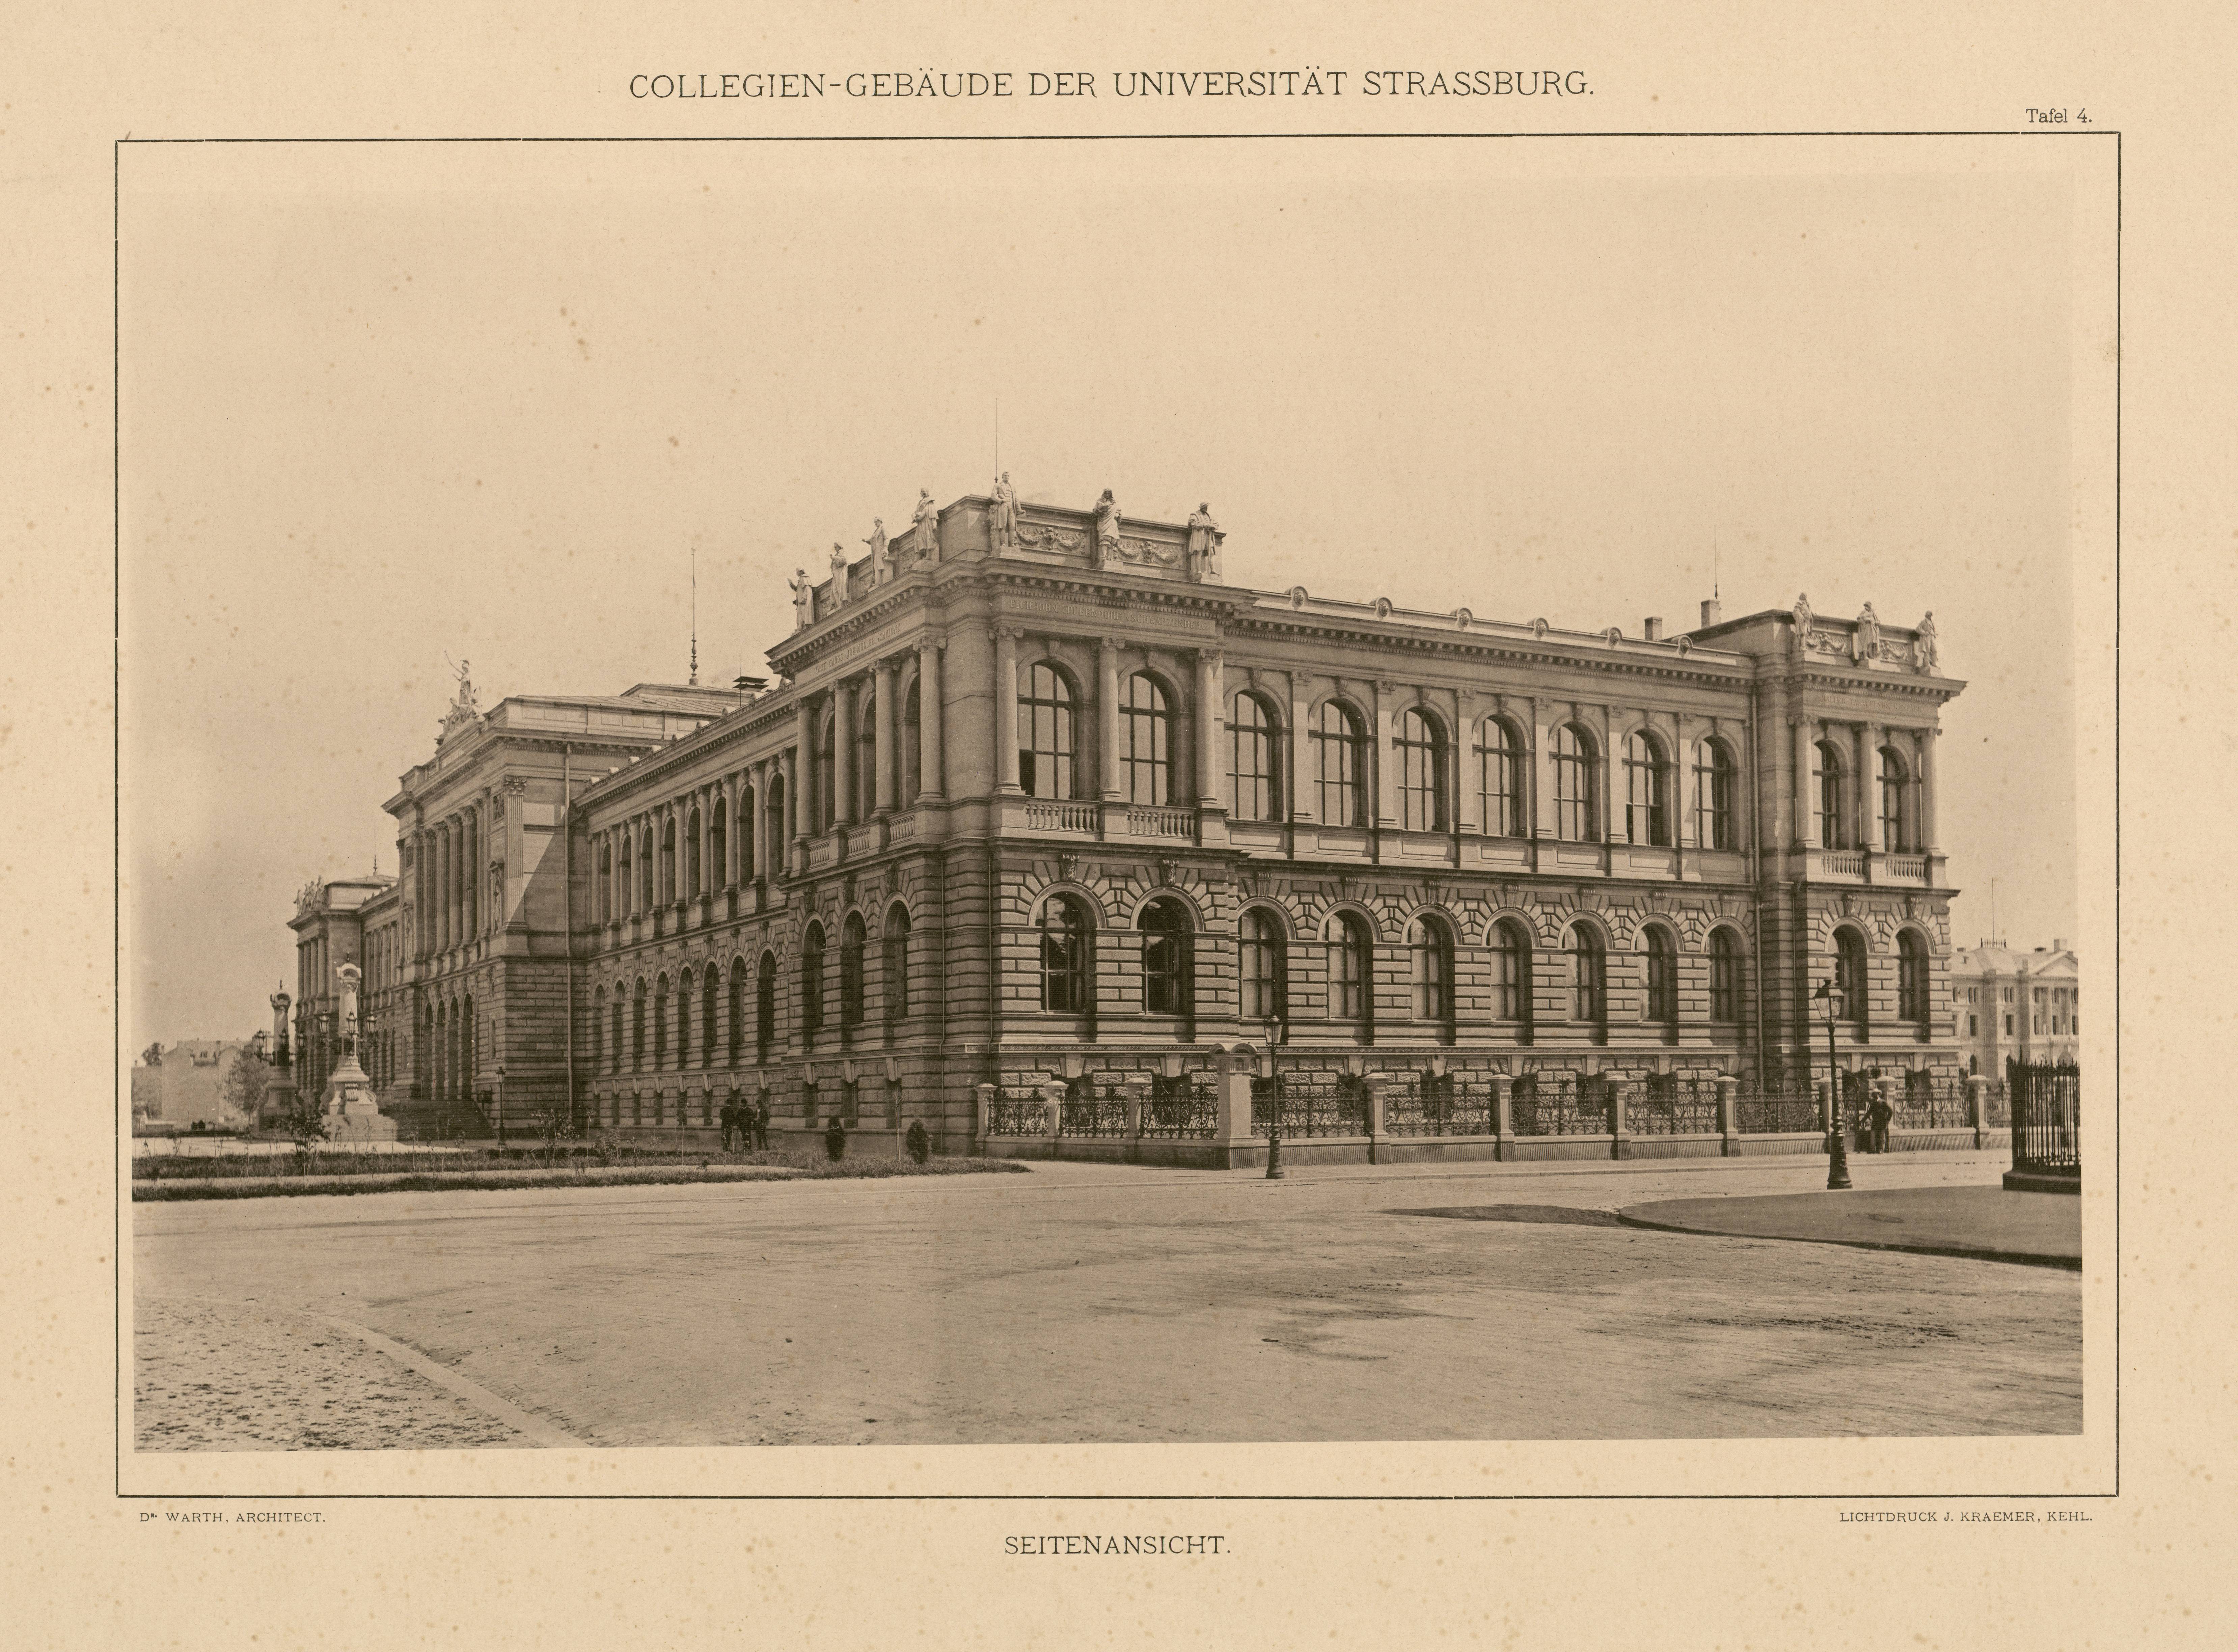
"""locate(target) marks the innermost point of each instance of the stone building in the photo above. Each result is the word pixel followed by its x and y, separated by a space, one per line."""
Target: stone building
pixel 337 921
pixel 180 1086
pixel 1038 797
pixel 2015 1005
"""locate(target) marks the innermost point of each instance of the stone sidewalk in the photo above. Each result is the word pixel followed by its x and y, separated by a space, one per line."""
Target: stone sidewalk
pixel 1986 1223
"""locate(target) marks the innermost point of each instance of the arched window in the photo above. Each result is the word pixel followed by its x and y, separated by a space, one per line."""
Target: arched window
pixel 1254 787
pixel 1146 741
pixel 624 886
pixel 852 939
pixel 1646 791
pixel 1511 973
pixel 811 981
pixel 1063 930
pixel 692 869
pixel 719 842
pixel 708 977
pixel 773 824
pixel 866 759
pixel 1350 966
pixel 1724 977
pixel 615 1060
pixel 598 1029
pixel 1911 978
pixel 1833 831
pixel 1265 968
pixel 893 962
pixel 1896 810
pixel 1499 777
pixel 1662 977
pixel 1045 713
pixel 665 890
pixel 606 883
pixel 764 1006
pixel 1430 969
pixel 1422 772
pixel 1340 755
pixel 1849 976
pixel 1166 963
pixel 660 1022
pixel 1588 976
pixel 636 1029
pixel 1577 789
pixel 684 1019
pixel 737 1008
pixel 827 775
pixel 748 804
pixel 912 748
pixel 644 859
pixel 1713 795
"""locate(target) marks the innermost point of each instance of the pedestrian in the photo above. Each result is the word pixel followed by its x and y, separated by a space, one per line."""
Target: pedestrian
pixel 1880 1112
pixel 730 1120
pixel 761 1124
pixel 835 1140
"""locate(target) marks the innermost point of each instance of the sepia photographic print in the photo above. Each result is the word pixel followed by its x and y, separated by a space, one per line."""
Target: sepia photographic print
pixel 1373 793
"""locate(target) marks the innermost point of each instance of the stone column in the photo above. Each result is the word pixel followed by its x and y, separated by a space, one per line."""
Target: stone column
pixel 1869 801
pixel 1612 778
pixel 1538 800
pixel 1928 841
pixel 731 847
pixel 449 906
pixel 1464 770
pixel 801 773
pixel 928 719
pixel 1297 741
pixel 843 754
pixel 1806 817
pixel 882 707
pixel 1107 720
pixel 1211 714
pixel 1380 777
pixel 796 817
pixel 762 834
pixel 711 875
pixel 1006 709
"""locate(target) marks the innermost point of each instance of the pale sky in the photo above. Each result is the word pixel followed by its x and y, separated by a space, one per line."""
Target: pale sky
pixel 382 404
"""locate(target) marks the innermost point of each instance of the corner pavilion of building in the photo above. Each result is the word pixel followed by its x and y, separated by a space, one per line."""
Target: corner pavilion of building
pixel 1040 807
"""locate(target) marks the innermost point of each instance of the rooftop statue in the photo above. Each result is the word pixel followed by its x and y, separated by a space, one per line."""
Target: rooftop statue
pixel 1204 537
pixel 1003 519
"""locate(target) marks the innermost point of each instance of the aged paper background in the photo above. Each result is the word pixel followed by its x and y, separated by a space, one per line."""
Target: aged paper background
pixel 1585 1556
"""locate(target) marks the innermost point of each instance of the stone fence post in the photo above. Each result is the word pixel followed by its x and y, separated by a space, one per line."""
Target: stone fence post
pixel 1232 1066
pixel 1138 1092
pixel 1826 1120
pixel 1977 1096
pixel 1503 1116
pixel 982 1114
pixel 1619 1136
pixel 1377 1086
pixel 1053 1099
pixel 1729 1114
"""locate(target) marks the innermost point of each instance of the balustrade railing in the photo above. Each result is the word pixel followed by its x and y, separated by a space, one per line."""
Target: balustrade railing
pixel 1161 823
pixel 1047 816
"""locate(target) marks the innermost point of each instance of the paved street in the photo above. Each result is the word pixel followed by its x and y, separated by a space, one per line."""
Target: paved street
pixel 1086 1302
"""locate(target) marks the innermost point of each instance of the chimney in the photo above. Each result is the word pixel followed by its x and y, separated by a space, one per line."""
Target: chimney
pixel 1654 628
pixel 2058 944
pixel 1711 613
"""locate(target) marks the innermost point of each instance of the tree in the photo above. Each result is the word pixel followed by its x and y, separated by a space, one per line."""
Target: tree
pixel 242 1091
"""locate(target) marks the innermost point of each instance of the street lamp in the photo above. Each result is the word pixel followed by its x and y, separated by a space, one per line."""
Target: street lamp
pixel 501 1109
pixel 1278 1034
pixel 1837 1157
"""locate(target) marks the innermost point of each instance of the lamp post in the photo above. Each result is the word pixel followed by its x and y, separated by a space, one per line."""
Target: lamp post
pixel 1837 1158
pixel 1278 1034
pixel 501 1109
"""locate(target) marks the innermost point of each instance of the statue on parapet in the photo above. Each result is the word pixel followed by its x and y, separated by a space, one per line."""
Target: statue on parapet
pixel 1869 634
pixel 804 599
pixel 838 576
pixel 881 565
pixel 1802 617
pixel 924 532
pixel 1003 519
pixel 1923 649
pixel 1107 529
pixel 1204 537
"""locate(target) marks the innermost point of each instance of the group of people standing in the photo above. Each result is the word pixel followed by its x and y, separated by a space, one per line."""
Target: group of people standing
pixel 748 1122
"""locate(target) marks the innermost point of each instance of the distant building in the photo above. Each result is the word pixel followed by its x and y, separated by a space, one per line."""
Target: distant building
pixel 2015 1006
pixel 181 1085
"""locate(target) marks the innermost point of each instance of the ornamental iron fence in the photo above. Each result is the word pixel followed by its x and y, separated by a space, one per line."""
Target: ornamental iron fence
pixel 1561 1104
pixel 1926 1102
pixel 1788 1110
pixel 2047 1116
pixel 1181 1108
pixel 1313 1104
pixel 1665 1104
pixel 1091 1111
